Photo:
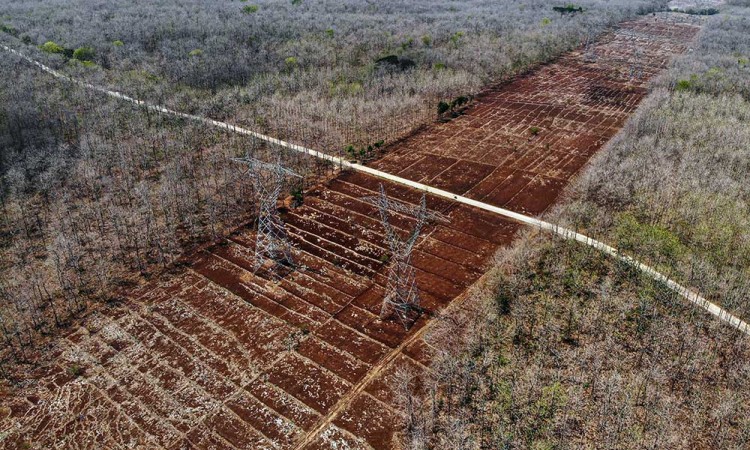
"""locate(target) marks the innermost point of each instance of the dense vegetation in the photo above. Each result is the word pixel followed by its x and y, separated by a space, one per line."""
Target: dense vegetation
pixel 564 348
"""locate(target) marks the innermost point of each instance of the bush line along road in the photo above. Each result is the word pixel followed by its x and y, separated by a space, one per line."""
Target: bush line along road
pixel 320 401
pixel 691 296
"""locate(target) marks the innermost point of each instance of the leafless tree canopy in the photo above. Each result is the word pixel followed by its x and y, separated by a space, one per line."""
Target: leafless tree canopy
pixel 567 349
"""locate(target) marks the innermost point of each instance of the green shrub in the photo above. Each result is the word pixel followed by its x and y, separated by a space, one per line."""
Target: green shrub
pixel 196 52
pixel 51 47
pixel 456 37
pixel 76 370
pixel 118 43
pixel 687 85
pixel 443 107
pixel 250 9
pixel 459 101
pixel 534 130
pixel 427 40
pixel 683 85
pixel 552 399
pixel 409 43
pixel 363 153
pixel 568 9
pixel 439 66
pixel 83 54
pixel 394 62
pixel 546 21
pixel 330 32
pixel 8 29
pixel 504 298
pixel 297 196
pixel 291 62
pixel 700 11
pixel 645 239
pixel 340 86
pixel 353 88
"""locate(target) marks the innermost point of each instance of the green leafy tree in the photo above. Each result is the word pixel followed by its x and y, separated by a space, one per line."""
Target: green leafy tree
pixel 51 47
pixel 83 54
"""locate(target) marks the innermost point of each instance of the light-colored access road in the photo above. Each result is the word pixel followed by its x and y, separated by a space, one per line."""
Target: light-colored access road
pixel 566 233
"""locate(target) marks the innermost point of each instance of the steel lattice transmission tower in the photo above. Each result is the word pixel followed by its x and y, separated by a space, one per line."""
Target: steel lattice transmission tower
pixel 636 66
pixel 402 295
pixel 272 241
pixel 635 62
pixel 589 49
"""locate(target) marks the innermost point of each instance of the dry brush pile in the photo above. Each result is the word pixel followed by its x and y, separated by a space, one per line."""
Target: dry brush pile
pixel 564 348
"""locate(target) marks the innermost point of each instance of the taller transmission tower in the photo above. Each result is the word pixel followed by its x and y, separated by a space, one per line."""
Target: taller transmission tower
pixel 272 241
pixel 402 295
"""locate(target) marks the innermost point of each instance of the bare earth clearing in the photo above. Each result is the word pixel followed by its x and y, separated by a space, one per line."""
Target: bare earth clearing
pixel 214 356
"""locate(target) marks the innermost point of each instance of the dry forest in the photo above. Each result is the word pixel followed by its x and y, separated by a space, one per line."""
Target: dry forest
pixel 318 224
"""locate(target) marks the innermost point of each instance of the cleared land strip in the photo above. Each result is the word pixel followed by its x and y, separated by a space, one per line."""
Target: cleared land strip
pixel 217 355
pixel 686 293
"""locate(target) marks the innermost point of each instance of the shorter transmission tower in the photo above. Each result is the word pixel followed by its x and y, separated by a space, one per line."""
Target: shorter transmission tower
pixel 589 49
pixel 272 241
pixel 635 62
pixel 402 295
pixel 636 65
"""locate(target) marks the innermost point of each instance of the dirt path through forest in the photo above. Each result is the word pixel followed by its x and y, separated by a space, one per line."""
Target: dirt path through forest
pixel 217 356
